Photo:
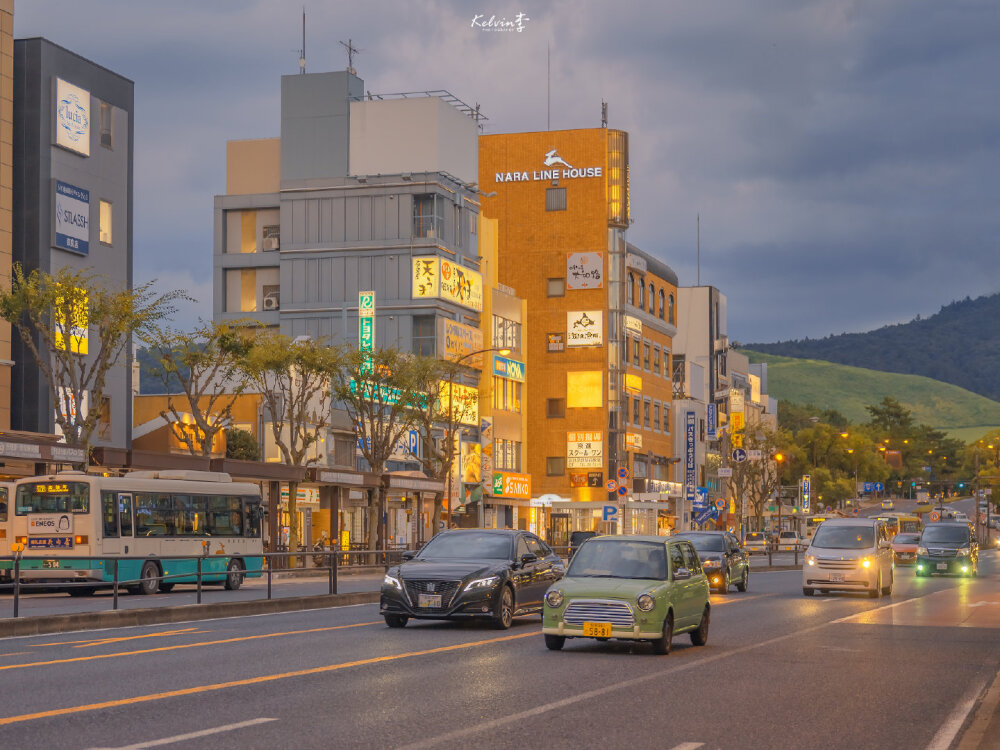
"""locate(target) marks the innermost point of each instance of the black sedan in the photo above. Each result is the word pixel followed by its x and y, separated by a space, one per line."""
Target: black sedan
pixel 722 559
pixel 494 574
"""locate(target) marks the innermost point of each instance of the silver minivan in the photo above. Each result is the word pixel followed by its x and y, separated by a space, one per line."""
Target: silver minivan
pixel 849 554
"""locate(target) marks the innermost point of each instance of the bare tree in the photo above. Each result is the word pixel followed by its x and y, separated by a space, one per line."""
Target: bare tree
pixel 381 393
pixel 205 366
pixel 55 315
pixel 293 377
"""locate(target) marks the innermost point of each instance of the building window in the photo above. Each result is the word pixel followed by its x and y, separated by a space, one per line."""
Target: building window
pixel 626 348
pixel 556 287
pixel 666 417
pixel 656 360
pixel 424 335
pixel 635 410
pixel 630 289
pixel 652 300
pixel 506 395
pixel 555 466
pixel 506 334
pixel 645 414
pixel 670 310
pixel 555 199
pixel 458 225
pixel 645 356
pixel 271 237
pixel 555 407
pixel 428 215
pixel 106 216
pixel 635 352
pixel 507 454
pixel 106 135
pixel 641 289
pixel 661 305
pixel 656 416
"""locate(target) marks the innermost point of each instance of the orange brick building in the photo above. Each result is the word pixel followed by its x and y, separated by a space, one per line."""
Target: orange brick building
pixel 600 312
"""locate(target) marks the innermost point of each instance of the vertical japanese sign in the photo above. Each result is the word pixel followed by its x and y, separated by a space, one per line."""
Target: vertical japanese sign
pixel 712 418
pixel 366 321
pixel 805 493
pixel 690 477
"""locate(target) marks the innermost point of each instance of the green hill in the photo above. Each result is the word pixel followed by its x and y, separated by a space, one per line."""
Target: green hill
pixel 960 413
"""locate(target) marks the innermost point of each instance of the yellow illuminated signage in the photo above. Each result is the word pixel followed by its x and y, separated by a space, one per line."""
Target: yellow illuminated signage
pixel 440 278
pixel 585 389
pixel 464 409
pixel 738 421
pixel 51 489
pixel 633 383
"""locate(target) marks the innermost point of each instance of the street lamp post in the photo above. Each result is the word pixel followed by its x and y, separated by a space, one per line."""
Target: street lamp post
pixel 503 351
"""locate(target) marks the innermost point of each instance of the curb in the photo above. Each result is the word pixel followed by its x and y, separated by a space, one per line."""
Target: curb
pixel 25 626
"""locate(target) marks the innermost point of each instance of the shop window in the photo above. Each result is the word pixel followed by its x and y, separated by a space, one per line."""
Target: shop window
pixel 555 407
pixel 555 466
pixel 556 287
pixel 106 217
pixel 555 199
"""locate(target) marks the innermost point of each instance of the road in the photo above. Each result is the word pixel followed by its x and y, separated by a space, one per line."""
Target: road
pixel 780 670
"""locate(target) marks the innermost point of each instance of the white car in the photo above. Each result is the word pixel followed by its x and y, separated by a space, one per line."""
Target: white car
pixel 789 541
pixel 755 543
pixel 849 554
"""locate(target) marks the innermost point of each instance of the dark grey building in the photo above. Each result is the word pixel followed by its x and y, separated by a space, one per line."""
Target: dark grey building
pixel 72 164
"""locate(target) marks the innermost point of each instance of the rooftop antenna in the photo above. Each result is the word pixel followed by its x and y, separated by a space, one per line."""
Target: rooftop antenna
pixel 302 52
pixel 699 248
pixel 604 114
pixel 351 52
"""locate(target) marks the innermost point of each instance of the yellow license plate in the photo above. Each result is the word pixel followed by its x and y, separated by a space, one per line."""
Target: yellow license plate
pixel 597 629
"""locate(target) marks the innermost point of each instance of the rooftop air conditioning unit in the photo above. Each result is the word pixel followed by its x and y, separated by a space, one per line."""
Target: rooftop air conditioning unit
pixel 272 298
pixel 272 243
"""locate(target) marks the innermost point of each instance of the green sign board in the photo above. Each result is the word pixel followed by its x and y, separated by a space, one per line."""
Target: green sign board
pixel 498 484
pixel 366 321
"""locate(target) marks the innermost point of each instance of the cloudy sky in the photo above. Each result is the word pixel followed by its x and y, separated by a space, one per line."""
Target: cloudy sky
pixel 843 155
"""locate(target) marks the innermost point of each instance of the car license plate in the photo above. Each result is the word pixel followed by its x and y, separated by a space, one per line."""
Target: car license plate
pixel 50 563
pixel 597 629
pixel 429 600
pixel 836 578
pixel 942 566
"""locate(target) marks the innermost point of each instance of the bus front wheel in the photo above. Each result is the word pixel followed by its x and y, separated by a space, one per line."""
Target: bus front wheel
pixel 148 585
pixel 234 575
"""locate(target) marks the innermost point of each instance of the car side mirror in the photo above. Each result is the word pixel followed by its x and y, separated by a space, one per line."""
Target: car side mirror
pixel 409 554
pixel 528 558
pixel 682 574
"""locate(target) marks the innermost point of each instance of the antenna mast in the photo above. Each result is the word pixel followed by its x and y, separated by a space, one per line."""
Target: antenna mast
pixel 302 52
pixel 604 114
pixel 351 52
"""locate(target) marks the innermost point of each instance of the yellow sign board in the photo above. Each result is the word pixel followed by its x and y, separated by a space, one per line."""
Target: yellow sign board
pixel 465 408
pixel 736 439
pixel 737 421
pixel 633 383
pixel 440 278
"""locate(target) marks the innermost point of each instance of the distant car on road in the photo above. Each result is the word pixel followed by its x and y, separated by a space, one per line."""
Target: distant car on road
pixel 789 541
pixel 948 547
pixel 756 543
pixel 904 548
pixel 636 588
pixel 493 574
pixel 887 504
pixel 724 562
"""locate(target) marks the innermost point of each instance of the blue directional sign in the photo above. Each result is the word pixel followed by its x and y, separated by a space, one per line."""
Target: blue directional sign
pixel 610 512
pixel 703 516
pixel 879 487
pixel 869 487
pixel 739 455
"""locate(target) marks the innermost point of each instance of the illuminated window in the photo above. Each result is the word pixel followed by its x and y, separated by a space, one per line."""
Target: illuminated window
pixel 661 305
pixel 506 334
pixel 555 466
pixel 556 287
pixel 507 454
pixel 555 199
pixel 106 222
pixel 506 395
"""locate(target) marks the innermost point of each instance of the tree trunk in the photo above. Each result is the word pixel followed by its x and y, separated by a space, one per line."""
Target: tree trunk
pixel 293 525
pixel 373 521
pixel 383 522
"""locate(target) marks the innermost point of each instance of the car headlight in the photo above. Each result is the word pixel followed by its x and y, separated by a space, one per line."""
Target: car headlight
pixel 921 550
pixel 963 552
pixel 554 598
pixel 811 560
pixel 712 563
pixel 392 581
pixel 482 583
pixel 866 563
pixel 646 602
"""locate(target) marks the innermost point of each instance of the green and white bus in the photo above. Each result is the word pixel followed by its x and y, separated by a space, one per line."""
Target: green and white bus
pixel 146 519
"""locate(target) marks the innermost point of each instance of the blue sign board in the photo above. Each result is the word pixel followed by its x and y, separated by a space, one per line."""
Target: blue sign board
pixel 72 218
pixel 869 487
pixel 690 474
pixel 610 512
pixel 739 455
pixel 805 493
pixel 703 516
pixel 508 368
pixel 712 421
pixel 701 497
pixel 879 487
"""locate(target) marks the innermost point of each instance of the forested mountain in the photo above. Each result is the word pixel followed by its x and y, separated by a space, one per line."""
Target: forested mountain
pixel 959 345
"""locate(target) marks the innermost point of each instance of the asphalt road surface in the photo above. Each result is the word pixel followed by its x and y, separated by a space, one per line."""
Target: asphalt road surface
pixel 780 671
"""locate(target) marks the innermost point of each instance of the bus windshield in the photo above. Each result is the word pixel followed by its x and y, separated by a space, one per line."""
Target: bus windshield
pixel 52 497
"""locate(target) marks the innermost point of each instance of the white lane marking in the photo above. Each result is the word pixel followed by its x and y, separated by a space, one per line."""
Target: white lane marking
pixel 444 739
pixel 951 726
pixel 190 735
pixel 688 746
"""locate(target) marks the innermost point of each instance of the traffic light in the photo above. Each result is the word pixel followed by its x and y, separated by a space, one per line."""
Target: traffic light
pixel 961 485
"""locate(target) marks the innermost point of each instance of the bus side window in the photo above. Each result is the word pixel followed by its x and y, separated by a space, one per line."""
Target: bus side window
pixel 235 515
pixel 108 507
pixel 125 514
pixel 253 516
pixel 3 504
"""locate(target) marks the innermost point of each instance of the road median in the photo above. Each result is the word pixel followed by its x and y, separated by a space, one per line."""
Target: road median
pixel 24 626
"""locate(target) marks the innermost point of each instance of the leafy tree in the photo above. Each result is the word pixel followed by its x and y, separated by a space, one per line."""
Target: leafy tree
pixel 241 445
pixel 55 315
pixel 381 393
pixel 890 417
pixel 205 367
pixel 293 377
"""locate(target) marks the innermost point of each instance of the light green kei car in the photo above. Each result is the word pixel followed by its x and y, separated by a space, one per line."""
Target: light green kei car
pixel 637 588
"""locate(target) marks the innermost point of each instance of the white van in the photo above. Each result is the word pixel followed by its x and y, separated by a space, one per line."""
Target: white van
pixel 849 554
